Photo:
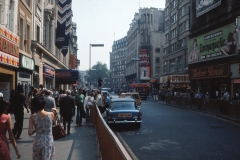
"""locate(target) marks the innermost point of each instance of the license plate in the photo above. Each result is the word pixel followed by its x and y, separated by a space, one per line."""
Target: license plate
pixel 125 115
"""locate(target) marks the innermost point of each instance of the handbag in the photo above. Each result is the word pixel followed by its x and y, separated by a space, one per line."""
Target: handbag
pixel 57 130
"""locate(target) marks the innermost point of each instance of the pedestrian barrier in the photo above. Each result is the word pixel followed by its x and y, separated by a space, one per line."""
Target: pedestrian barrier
pixel 224 107
pixel 110 146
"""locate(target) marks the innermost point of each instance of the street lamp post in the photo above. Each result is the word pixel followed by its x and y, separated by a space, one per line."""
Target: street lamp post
pixel 136 59
pixel 93 45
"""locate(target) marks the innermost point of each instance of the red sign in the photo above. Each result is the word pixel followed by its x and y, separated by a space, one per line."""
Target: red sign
pixel 72 61
pixel 236 81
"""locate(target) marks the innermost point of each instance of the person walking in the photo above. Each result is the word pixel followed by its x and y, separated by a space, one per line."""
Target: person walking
pixel 30 95
pixel 55 96
pixel 79 102
pixel 6 126
pixel 106 102
pixel 89 104
pixel 41 123
pixel 67 110
pixel 50 102
pixel 32 101
pixel 19 102
pixel 99 100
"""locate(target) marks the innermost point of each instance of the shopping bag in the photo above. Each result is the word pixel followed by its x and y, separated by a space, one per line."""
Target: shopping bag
pixel 57 130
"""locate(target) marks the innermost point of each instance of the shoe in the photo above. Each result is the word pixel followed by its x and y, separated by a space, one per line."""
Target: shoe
pixel 76 125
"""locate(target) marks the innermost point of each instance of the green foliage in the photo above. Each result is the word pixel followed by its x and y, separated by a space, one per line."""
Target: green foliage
pixel 99 70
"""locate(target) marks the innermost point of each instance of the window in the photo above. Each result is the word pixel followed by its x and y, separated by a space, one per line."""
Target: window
pixel 173 18
pixel 167 24
pixel 184 26
pixel 180 62
pixel 172 65
pixel 21 33
pixel 157 70
pixel 157 60
pixel 167 37
pixel 165 67
pixel 28 39
pixel 158 50
pixel 173 33
pixel 38 34
pixel 28 3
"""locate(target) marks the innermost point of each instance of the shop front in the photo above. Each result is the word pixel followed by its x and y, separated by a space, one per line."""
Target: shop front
pixel 24 73
pixel 213 79
pixel 177 83
pixel 66 77
pixel 9 60
pixel 48 76
pixel 235 78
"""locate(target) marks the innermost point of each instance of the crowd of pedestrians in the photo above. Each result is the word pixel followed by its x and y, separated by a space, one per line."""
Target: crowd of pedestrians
pixel 42 104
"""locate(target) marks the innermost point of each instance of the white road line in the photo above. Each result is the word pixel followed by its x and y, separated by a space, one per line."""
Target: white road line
pixel 126 147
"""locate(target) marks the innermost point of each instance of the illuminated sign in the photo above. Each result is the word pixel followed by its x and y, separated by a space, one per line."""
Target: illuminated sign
pixel 204 6
pixel 48 72
pixel 9 47
pixel 26 62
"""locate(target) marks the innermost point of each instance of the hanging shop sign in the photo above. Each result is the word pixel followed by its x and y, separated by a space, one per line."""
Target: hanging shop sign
pixel 66 76
pixel 72 61
pixel 219 43
pixel 9 47
pixel 216 71
pixel 48 71
pixel 144 63
pixel 26 62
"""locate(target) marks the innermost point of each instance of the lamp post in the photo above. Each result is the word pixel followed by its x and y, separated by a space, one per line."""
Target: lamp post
pixel 136 59
pixel 93 45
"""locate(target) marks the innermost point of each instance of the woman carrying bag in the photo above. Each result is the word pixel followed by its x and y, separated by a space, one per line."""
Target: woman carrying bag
pixel 41 123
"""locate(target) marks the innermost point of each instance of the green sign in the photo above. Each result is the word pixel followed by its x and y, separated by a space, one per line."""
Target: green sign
pixel 26 62
pixel 219 43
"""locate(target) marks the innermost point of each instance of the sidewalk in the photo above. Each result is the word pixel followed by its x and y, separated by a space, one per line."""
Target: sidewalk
pixel 81 144
pixel 231 118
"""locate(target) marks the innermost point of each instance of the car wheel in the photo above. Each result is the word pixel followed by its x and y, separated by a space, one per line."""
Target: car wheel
pixel 138 125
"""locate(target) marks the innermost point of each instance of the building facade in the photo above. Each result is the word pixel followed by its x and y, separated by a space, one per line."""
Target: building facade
pixel 145 46
pixel 118 63
pixel 213 56
pixel 175 64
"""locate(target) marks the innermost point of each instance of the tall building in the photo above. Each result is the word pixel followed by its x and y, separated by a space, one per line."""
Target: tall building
pixel 118 63
pixel 9 46
pixel 213 56
pixel 175 66
pixel 145 39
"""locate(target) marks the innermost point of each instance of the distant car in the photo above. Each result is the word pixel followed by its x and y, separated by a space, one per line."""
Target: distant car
pixel 124 111
pixel 133 95
pixel 105 92
pixel 116 91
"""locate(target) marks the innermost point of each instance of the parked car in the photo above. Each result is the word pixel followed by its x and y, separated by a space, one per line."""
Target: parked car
pixel 124 111
pixel 133 95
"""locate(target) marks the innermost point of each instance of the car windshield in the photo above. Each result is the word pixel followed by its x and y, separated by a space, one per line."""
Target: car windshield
pixel 123 105
pixel 128 96
pixel 135 96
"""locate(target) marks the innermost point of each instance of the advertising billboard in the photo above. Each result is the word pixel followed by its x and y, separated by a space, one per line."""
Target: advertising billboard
pixel 66 76
pixel 144 63
pixel 203 6
pixel 219 43
pixel 48 71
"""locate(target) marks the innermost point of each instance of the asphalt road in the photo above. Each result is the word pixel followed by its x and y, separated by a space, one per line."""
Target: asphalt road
pixel 174 133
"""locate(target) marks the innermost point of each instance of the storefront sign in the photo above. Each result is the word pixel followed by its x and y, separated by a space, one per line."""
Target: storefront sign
pixel 5 89
pixel 9 47
pixel 144 63
pixel 48 72
pixel 26 62
pixel 66 76
pixel 145 73
pixel 210 72
pixel 72 61
pixel 236 81
pixel 205 6
pixel 216 44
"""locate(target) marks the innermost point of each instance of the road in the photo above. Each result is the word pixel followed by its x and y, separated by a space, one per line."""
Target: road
pixel 174 133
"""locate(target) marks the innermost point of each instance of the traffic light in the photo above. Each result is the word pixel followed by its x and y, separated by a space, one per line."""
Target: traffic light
pixel 99 82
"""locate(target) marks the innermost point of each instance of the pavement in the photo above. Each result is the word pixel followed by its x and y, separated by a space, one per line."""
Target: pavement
pixel 81 144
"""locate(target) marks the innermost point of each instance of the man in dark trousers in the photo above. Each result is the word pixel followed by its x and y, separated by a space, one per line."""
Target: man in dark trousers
pixel 79 102
pixel 67 110
pixel 19 102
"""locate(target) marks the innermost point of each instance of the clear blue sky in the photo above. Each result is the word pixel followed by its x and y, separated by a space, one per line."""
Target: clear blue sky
pixel 102 22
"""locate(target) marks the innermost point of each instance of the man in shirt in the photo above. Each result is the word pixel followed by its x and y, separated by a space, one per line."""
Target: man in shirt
pixel 99 100
pixel 106 103
pixel 79 102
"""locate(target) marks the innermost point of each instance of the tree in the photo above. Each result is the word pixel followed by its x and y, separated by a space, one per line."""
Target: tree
pixel 98 70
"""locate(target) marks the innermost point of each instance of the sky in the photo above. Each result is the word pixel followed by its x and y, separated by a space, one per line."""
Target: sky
pixel 102 22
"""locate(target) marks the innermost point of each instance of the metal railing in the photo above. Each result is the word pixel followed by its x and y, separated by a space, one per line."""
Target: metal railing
pixel 230 108
pixel 110 146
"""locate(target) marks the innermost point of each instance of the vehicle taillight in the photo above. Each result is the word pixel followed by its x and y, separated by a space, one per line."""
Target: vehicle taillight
pixel 140 115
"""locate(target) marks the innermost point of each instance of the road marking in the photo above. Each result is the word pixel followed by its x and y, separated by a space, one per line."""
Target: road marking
pixel 126 146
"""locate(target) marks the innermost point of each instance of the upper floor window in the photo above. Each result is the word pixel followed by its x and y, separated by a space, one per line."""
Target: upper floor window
pixel 173 18
pixel 157 60
pixel 184 26
pixel 172 65
pixel 184 10
pixel 28 3
pixel 165 67
pixel 21 33
pixel 157 50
